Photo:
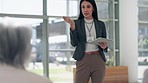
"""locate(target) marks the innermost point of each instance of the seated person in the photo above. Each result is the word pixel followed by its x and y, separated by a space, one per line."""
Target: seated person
pixel 15 51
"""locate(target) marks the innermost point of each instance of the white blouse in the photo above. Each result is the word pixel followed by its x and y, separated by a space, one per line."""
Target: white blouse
pixel 90 35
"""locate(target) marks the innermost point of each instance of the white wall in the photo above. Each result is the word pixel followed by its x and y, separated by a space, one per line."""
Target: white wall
pixel 128 20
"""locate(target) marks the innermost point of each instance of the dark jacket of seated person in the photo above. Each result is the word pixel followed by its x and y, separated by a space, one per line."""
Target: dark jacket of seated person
pixel 15 51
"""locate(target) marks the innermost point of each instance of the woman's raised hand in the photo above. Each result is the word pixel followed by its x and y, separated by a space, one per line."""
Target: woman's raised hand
pixel 71 22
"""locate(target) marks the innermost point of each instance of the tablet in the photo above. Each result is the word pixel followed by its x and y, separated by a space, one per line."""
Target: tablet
pixel 98 40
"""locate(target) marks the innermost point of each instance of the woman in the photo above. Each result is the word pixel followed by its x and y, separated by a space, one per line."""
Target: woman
pixel 90 58
pixel 15 49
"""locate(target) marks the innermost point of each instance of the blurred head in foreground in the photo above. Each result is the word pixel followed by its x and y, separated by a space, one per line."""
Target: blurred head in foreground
pixel 15 51
pixel 15 47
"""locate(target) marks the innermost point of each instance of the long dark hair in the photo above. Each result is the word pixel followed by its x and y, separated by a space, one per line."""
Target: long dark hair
pixel 94 13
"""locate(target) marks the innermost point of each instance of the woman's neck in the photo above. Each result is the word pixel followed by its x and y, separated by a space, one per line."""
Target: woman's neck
pixel 88 21
pixel 88 18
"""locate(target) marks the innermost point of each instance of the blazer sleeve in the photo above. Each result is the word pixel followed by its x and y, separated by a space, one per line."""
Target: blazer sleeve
pixel 73 36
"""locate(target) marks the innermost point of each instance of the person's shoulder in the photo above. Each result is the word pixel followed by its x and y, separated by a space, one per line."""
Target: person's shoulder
pixel 78 20
pixel 30 77
pixel 38 78
pixel 22 76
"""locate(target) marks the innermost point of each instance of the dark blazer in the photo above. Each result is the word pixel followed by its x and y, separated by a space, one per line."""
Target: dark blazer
pixel 78 38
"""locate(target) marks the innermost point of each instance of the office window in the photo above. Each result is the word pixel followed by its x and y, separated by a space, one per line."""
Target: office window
pixel 143 12
pixel 73 9
pixel 103 10
pixel 21 6
pixel 61 8
pixel 142 37
pixel 142 2
pixel 56 7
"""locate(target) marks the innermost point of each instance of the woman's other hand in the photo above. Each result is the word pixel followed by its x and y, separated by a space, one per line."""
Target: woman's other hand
pixel 103 45
pixel 71 22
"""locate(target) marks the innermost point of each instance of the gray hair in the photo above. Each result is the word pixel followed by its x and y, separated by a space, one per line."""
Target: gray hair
pixel 15 47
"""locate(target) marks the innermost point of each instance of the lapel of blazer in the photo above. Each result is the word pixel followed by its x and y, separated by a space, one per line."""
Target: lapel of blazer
pixel 97 25
pixel 82 24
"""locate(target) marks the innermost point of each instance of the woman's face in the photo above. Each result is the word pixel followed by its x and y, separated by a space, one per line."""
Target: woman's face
pixel 87 9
